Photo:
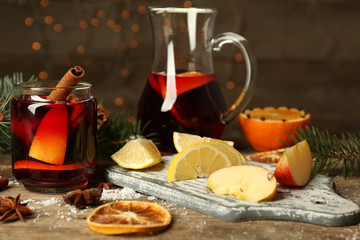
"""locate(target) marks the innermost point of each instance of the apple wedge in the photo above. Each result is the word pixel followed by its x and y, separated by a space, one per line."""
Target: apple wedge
pixel 294 166
pixel 245 182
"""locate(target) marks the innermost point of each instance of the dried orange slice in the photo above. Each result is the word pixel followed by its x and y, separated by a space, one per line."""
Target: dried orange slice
pixel 266 127
pixel 129 217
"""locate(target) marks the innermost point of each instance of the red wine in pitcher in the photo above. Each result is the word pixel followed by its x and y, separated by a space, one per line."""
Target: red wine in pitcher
pixel 196 110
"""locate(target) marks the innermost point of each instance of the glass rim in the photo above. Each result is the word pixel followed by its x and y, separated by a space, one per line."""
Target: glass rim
pixel 31 85
pixel 160 10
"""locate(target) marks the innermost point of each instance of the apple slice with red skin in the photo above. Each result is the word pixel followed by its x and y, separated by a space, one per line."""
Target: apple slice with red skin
pixel 245 182
pixel 49 142
pixel 294 166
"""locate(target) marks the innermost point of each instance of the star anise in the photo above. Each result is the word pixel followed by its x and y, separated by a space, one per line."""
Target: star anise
pixel 11 207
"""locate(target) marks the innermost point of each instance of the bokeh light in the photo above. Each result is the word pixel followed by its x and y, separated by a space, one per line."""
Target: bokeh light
pixel 21 3
pixel 101 14
pixel 49 20
pixel 29 21
pixel 135 28
pixel 125 73
pixel 44 3
pixel 125 14
pixel 238 57
pixel 142 10
pixel 83 24
pixel 110 23
pixel 58 27
pixel 119 101
pixel 187 4
pixel 230 85
pixel 133 44
pixel 240 16
pixel 116 28
pixel 43 75
pixel 95 22
pixel 80 49
pixel 36 46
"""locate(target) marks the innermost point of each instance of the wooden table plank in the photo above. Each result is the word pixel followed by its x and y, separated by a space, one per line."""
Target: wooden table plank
pixel 60 221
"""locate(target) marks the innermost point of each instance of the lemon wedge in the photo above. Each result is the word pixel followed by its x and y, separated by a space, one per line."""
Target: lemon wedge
pixel 184 140
pixel 200 160
pixel 235 157
pixel 137 154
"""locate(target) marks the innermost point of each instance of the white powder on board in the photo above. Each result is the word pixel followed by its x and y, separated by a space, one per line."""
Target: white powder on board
pixel 13 181
pixel 151 198
pixel 119 194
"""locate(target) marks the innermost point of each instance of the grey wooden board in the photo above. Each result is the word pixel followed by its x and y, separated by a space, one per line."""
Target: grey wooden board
pixel 317 203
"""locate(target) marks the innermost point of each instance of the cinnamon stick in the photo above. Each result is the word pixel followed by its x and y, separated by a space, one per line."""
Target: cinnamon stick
pixel 63 88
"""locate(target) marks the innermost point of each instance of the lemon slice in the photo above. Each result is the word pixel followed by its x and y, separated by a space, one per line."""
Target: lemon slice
pixel 235 157
pixel 184 140
pixel 197 160
pixel 137 154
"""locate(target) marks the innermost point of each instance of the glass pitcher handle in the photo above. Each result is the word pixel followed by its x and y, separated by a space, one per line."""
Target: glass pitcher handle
pixel 250 63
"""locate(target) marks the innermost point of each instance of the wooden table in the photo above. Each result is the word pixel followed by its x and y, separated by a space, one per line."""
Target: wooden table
pixel 56 220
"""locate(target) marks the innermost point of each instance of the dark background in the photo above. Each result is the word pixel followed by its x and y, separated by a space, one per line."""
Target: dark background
pixel 308 51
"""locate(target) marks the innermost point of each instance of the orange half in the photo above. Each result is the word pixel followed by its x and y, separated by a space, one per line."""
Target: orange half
pixel 266 128
pixel 129 217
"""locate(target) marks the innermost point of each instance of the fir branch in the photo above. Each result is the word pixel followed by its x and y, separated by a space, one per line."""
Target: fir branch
pixel 6 91
pixel 330 151
pixel 118 131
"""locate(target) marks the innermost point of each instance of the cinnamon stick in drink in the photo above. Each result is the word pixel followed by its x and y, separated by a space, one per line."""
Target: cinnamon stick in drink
pixel 64 87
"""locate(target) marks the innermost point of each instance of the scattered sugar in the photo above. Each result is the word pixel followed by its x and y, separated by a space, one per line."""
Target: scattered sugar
pixel 37 217
pixel 119 194
pixel 184 213
pixel 168 205
pixel 49 202
pixel 13 181
pixel 151 198
pixel 27 201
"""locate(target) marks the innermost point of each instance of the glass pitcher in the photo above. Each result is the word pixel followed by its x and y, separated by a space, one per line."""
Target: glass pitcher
pixel 182 93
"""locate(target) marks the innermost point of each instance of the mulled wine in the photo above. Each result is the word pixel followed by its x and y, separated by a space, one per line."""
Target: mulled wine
pixel 53 142
pixel 197 108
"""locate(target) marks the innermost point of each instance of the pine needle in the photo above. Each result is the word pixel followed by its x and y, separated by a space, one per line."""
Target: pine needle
pixel 6 91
